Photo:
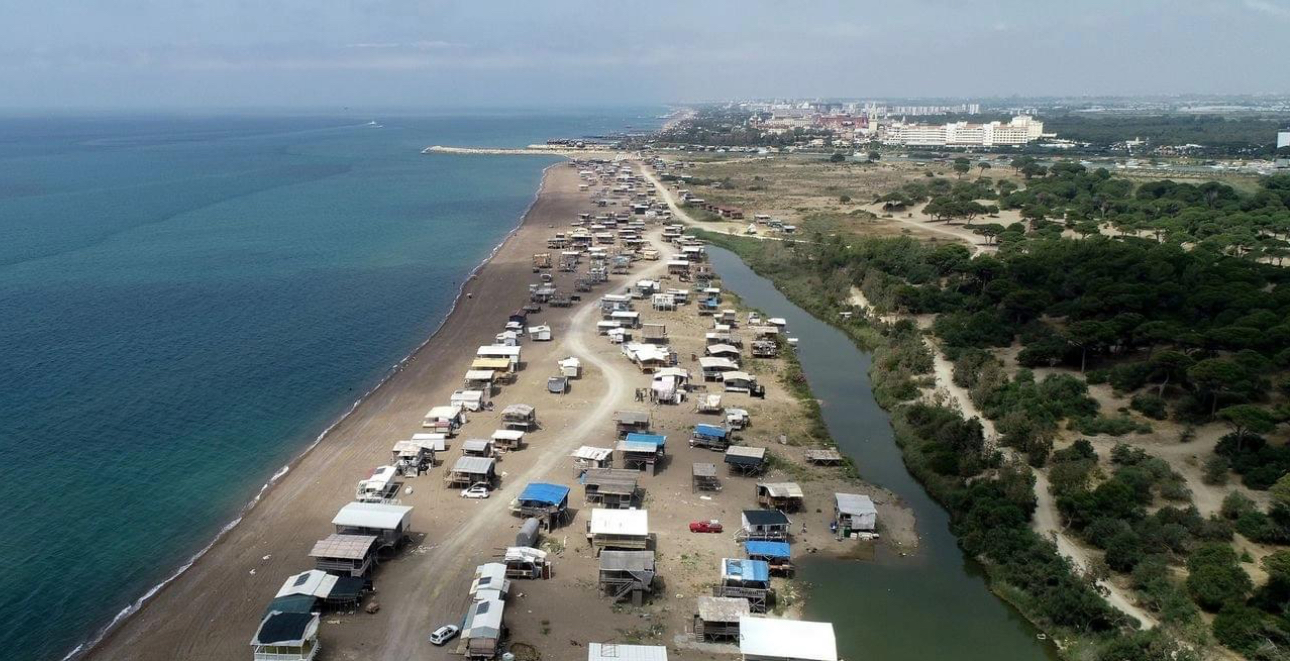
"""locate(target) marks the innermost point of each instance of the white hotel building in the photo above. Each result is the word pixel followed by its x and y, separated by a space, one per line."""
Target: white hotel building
pixel 1020 130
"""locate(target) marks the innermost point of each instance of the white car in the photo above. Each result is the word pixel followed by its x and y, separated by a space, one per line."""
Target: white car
pixel 475 491
pixel 444 634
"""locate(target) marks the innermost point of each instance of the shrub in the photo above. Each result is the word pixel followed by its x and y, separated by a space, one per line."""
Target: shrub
pixel 1216 469
pixel 1150 405
pixel 1236 504
pixel 1215 580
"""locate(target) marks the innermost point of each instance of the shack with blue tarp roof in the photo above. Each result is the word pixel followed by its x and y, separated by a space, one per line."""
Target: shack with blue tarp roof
pixel 775 554
pixel 642 451
pixel 546 502
pixel 713 437
pixel 745 579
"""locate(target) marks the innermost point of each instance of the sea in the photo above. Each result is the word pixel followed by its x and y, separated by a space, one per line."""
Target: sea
pixel 188 300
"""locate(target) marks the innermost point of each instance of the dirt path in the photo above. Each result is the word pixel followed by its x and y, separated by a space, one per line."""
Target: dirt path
pixel 925 223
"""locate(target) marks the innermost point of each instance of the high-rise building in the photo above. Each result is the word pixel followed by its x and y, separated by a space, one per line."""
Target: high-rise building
pixel 1020 130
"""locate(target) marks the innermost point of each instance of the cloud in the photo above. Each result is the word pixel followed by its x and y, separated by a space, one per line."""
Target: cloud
pixel 1267 7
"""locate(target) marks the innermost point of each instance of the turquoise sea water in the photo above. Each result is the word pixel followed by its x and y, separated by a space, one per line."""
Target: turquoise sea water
pixel 186 302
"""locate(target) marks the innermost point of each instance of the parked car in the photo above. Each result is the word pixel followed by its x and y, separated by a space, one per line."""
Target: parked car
pixel 444 634
pixel 706 526
pixel 475 491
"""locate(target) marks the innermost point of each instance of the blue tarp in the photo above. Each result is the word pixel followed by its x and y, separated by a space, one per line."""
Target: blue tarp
pixel 747 570
pixel 767 549
pixel 541 492
pixel 710 303
pixel 709 430
pixel 657 440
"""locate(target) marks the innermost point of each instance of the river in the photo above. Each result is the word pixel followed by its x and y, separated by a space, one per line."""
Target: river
pixel 933 604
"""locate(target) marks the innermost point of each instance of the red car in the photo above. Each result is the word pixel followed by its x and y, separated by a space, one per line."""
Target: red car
pixel 705 526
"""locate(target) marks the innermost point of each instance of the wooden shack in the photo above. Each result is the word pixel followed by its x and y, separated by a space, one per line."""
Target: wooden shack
pixel 764 524
pixel 745 579
pixel 548 503
pixel 703 477
pixel 717 618
pixel 627 575
pixel 783 496
pixel 519 416
pixel 611 488
pixel 469 471
pixel 643 451
pixel 508 439
pixel 389 523
pixel 746 460
pixel 629 422
pixel 345 555
pixel 853 513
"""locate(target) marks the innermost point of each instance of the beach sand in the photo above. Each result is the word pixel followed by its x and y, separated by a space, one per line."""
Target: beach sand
pixel 211 611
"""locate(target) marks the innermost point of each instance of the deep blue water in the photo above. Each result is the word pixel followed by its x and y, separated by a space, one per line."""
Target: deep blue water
pixel 187 301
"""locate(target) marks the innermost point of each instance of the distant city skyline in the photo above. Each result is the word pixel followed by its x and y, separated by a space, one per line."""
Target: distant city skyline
pixel 383 53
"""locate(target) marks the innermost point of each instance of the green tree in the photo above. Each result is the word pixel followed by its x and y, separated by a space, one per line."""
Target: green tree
pixel 982 166
pixel 1087 335
pixel 874 156
pixel 1218 376
pixel 837 157
pixel 962 166
pixel 1247 419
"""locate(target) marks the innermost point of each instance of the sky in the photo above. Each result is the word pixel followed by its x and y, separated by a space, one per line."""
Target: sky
pixel 66 54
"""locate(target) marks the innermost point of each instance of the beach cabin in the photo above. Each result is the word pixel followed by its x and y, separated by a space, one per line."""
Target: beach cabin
pixel 663 302
pixel 519 416
pixel 445 419
pixel 775 554
pixel 644 289
pixel 703 477
pixel 669 385
pixel 483 629
pixel 286 637
pixel 526 562
pixel 783 496
pixel 736 381
pixel 570 367
pixel 502 368
pixel 508 440
pixel 624 530
pixel 648 357
pixel 712 338
pixel 679 268
pixel 489 582
pixel 679 296
pixel 774 639
pixel 477 447
pixel 605 327
pixel 557 385
pixel 716 367
pixel 627 575
pixel 620 652
pixel 728 317
pixel 587 457
pixel 746 460
pixel 540 333
pixel 717 618
pixel 763 524
pixel 481 380
pixel 626 318
pixel 727 351
pixel 548 503
pixel 469 471
pixel 643 451
pixel 511 354
pixel 611 303
pixel 431 442
pixel 610 488
pixel 380 485
pixel 345 555
pixel 711 437
pixel 745 579
pixel 470 400
pixel 412 457
pixel 854 514
pixel 389 523
pixel 628 422
pixel 654 333
pixel 307 591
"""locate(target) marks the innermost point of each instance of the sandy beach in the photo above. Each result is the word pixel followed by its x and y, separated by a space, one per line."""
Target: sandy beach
pixel 211 611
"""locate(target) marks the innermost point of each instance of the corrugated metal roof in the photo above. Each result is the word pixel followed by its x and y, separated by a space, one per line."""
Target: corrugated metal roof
pixel 617 652
pixel 473 465
pixel 852 503
pixel 722 609
pixel 344 547
pixel 787 639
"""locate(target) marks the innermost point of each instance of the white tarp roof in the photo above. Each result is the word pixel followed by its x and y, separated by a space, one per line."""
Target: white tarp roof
pixel 591 453
pixel 619 522
pixel 775 638
pixel 480 375
pixel 617 652
pixel 571 361
pixel 508 435
pixel 737 376
pixel 315 582
pixel 444 412
pixel 853 503
pixel 715 362
pixel 436 442
pixel 498 350
pixel 377 516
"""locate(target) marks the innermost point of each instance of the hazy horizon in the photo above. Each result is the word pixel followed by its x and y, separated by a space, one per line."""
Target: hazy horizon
pixel 149 54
